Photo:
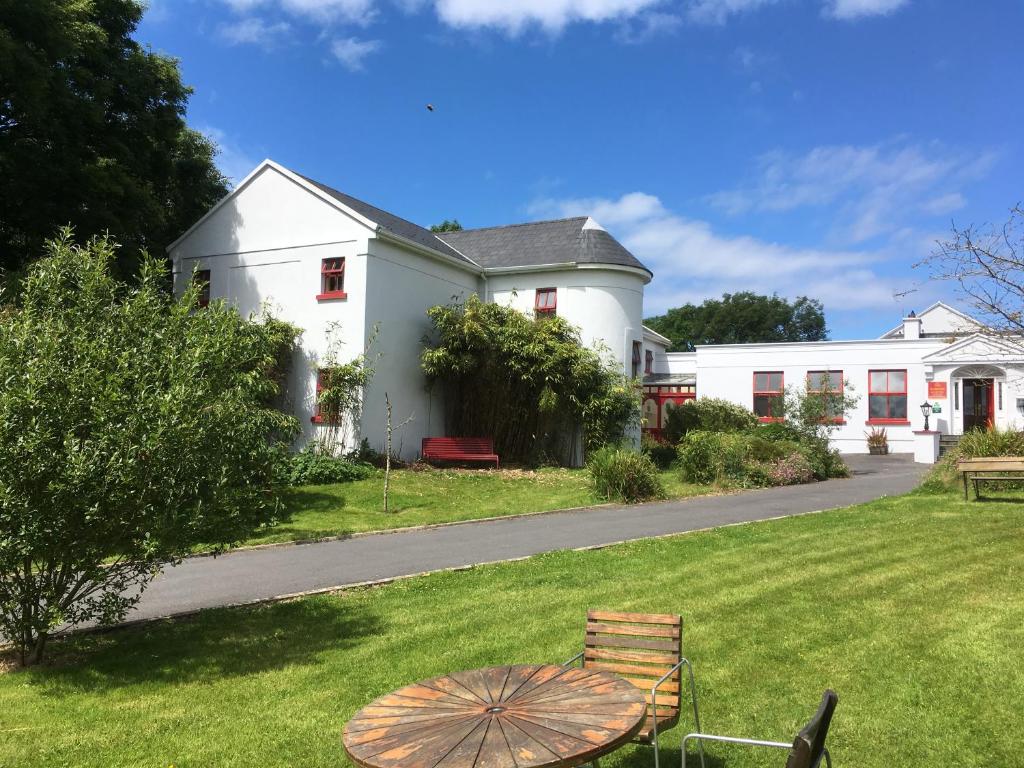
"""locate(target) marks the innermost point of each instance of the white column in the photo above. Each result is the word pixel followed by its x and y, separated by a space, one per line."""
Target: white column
pixel 926 446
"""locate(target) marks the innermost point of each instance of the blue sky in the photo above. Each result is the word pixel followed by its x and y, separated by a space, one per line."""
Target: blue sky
pixel 812 147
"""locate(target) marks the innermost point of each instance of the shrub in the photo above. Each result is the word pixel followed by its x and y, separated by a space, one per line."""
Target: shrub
pixel 662 453
pixel 713 457
pixel 825 462
pixel 710 414
pixel 991 442
pixel 619 473
pixel 793 469
pixel 313 467
pixel 778 431
pixel 759 449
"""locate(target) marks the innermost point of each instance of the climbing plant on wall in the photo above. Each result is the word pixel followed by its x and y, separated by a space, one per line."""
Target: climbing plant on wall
pixel 529 383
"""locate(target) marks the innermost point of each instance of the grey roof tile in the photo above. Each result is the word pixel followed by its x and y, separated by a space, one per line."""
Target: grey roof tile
pixel 392 223
pixel 541 243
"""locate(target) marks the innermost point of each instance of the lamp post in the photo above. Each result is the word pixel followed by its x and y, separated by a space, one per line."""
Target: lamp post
pixel 926 409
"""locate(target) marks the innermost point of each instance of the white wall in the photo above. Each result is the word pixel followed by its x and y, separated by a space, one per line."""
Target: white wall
pixel 605 304
pixel 677 363
pixel 264 247
pixel 401 286
pixel 727 371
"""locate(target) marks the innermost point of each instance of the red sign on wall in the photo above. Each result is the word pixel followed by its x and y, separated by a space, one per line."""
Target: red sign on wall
pixel 936 390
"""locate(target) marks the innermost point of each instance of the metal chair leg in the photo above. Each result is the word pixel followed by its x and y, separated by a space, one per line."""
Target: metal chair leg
pixel 696 717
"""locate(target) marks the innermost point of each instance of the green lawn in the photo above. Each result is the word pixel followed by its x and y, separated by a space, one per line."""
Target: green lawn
pixel 911 608
pixel 437 496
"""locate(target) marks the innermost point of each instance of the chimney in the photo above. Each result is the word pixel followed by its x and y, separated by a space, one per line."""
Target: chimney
pixel 911 326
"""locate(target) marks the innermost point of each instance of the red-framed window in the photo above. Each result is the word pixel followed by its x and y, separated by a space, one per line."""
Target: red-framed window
pixel 546 301
pixel 648 361
pixel 201 277
pixel 825 383
pixel 769 390
pixel 638 348
pixel 332 279
pixel 887 397
pixel 322 415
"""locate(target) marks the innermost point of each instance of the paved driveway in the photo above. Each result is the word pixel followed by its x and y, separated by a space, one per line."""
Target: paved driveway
pixel 254 575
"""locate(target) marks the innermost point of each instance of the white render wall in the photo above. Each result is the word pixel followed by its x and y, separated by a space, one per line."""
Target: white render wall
pixel 606 304
pixel 727 371
pixel 264 248
pixel 401 286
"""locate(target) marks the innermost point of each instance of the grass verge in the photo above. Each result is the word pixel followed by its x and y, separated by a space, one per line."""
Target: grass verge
pixel 429 496
pixel 911 608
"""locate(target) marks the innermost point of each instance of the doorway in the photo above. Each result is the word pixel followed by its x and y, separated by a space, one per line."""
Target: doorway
pixel 979 405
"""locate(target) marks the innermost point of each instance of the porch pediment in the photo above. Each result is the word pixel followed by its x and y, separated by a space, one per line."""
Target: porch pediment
pixel 979 349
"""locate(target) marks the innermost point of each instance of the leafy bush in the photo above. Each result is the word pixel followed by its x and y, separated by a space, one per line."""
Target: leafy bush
pixel 778 431
pixel 713 457
pixel 619 473
pixel 662 453
pixel 364 454
pixel 710 414
pixel 759 449
pixel 793 469
pixel 991 442
pixel 313 467
pixel 529 383
pixel 826 462
pixel 133 427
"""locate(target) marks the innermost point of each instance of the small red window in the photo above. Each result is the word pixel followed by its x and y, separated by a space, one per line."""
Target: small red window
pixel 546 301
pixel 827 384
pixel 322 414
pixel 638 347
pixel 201 277
pixel 648 361
pixel 769 395
pixel 332 279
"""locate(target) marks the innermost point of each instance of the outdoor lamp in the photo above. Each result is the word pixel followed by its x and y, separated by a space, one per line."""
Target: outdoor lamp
pixel 926 409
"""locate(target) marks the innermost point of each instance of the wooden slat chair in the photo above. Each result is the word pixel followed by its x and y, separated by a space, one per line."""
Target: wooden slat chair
pixel 808 748
pixel 646 649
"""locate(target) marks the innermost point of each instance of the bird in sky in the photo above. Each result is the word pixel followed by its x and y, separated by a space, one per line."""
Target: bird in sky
pixel 430 107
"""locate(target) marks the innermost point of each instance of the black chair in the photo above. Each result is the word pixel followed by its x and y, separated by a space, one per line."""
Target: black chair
pixel 807 749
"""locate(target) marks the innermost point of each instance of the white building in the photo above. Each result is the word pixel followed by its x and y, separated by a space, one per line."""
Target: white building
pixel 970 377
pixel 319 258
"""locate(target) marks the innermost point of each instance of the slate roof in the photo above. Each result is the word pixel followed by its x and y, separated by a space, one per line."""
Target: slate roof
pixel 392 223
pixel 578 240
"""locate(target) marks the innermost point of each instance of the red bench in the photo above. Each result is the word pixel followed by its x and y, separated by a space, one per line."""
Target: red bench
pixel 459 449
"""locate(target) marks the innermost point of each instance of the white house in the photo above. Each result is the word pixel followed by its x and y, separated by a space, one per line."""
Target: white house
pixel 321 259
pixel 969 376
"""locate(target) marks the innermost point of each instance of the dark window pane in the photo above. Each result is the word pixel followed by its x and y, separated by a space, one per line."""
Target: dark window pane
pixel 877 407
pixel 898 406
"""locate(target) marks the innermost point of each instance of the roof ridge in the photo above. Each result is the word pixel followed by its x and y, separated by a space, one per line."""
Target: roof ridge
pixel 521 224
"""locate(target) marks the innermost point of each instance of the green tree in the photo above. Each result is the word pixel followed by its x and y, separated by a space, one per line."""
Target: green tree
pixel 739 318
pixel 528 383
pixel 92 132
pixel 447 226
pixel 132 427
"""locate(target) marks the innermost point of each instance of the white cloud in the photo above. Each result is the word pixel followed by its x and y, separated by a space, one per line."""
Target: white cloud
pixel 321 11
pixel 232 160
pixel 856 9
pixel 692 262
pixel 352 52
pixel 254 31
pixel 869 190
pixel 513 16
pixel 719 11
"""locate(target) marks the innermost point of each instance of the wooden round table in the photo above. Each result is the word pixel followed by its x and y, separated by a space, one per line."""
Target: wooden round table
pixel 500 717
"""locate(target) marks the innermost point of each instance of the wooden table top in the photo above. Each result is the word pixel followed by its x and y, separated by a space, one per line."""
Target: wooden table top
pixel 500 717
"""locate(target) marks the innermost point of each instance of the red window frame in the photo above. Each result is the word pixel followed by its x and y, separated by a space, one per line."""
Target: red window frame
pixel 318 417
pixel 888 393
pixel 637 351
pixel 649 361
pixel 545 301
pixel 201 277
pixel 777 395
pixel 842 386
pixel 332 279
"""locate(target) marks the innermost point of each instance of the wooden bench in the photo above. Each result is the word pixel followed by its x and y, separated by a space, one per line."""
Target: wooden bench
pixel 990 469
pixel 459 449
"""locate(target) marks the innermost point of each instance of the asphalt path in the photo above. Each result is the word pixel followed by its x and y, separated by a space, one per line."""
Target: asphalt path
pixel 248 576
